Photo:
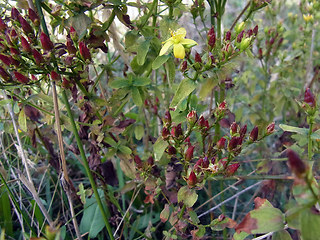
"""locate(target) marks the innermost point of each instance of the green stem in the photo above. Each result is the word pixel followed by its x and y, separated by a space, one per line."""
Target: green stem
pixel 154 4
pixel 310 120
pixel 108 23
pixel 182 211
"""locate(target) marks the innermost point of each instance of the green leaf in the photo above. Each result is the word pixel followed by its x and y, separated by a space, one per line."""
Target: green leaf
pixel 316 135
pixel 194 217
pixel 240 236
pixel 80 22
pixel 159 147
pixel 302 131
pixel 111 142
pixel 165 213
pixel 125 149
pixel 120 83
pixel 139 132
pixel 185 88
pixel 143 49
pixel 207 87
pixel 171 71
pixel 136 96
pixel 128 167
pixel 310 222
pixel 188 196
pixel 159 61
pixel 281 235
pixel 92 220
pixel 22 120
pixel 141 81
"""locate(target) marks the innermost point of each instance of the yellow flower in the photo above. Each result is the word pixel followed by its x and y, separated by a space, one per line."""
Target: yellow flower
pixel 308 17
pixel 179 42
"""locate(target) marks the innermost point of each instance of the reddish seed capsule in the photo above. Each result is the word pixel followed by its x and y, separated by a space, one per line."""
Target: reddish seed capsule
pixel 192 117
pixel 231 169
pixel 240 36
pixel 243 131
pixel 55 76
pixel 25 44
pixel 167 118
pixel 25 25
pixel 46 43
pixel 150 161
pixel 21 78
pixel 14 62
pixel 198 164
pixel 249 33
pixel 228 36
pixel 172 150
pixel 165 133
pixel 189 153
pixel 297 166
pixel 192 180
pixel 254 134
pixel 234 128
pixel 260 53
pixel 6 60
pixel 14 52
pixel 309 98
pixel 73 34
pixel 37 57
pixel 233 143
pixel 138 161
pixel 5 76
pixel 3 26
pixel 176 131
pixel 255 30
pixel 84 51
pixel 15 14
pixel 211 32
pixel 270 128
pixel 13 36
pixel 66 83
pixel 205 163
pixel 33 16
pixel 221 143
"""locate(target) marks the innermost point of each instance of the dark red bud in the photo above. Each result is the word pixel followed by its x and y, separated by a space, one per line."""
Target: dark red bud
pixel 73 34
pixel 165 133
pixel 25 25
pixel 189 153
pixel 205 163
pixel 69 60
pixel 187 140
pixel 198 164
pixel 46 43
pixel 211 32
pixel 37 57
pixel 280 42
pixel 84 51
pixel 221 143
pixel 21 78
pixel 249 33
pixel 184 66
pixel 234 128
pixel 25 44
pixel 212 40
pixel 3 25
pixel 255 30
pixel 13 36
pixel 55 76
pixel 14 62
pixel 172 150
pixel 201 121
pixel 260 54
pixel 272 41
pixel 33 16
pixel 228 36
pixel 240 36
pixel 254 134
pixel 270 128
pixel 192 117
pixel 231 169
pixel 309 98
pixel 192 180
pixel 243 131
pixel 14 52
pixel 5 76
pixel 150 161
pixel 167 118
pixel 6 60
pixel 66 83
pixel 234 143
pixel 197 58
pixel 15 14
pixel 138 161
pixel 176 131
pixel 297 166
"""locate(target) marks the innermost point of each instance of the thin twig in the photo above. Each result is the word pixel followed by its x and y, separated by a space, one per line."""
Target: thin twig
pixel 240 15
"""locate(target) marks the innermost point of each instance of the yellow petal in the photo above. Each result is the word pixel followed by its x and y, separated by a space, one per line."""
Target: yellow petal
pixel 188 42
pixel 179 34
pixel 178 51
pixel 165 47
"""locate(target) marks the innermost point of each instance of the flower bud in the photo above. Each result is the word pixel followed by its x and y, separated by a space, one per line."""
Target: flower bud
pixel 234 143
pixel 14 52
pixel 187 140
pixel 4 75
pixel 138 161
pixel 197 58
pixel 270 128
pixel 14 62
pixel 228 36
pixel 15 14
pixel 240 36
pixel 84 51
pixel 3 25
pixel 254 134
pixel 25 44
pixel 198 164
pixel 211 32
pixel 245 43
pixel 234 128
pixel 184 66
pixel 5 59
pixel 221 143
pixel 192 180
pixel 249 33
pixel 46 43
pixel 33 16
pixel 37 57
pixel 25 25
pixel 255 30
pixel 150 161
pixel 189 153
pixel 55 76
pixel 21 78
pixel 297 166
pixel 211 38
pixel 192 117
pixel 167 118
pixel 205 163
pixel 13 37
pixel 231 169
pixel 165 133
pixel 243 131
pixel 239 27
pixel 73 34
pixel 172 150
pixel 176 131
pixel 309 98
pixel 260 53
